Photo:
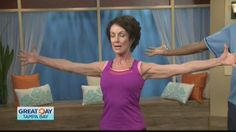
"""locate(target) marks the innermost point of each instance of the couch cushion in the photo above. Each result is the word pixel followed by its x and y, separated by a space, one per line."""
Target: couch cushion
pixel 199 80
pixel 24 82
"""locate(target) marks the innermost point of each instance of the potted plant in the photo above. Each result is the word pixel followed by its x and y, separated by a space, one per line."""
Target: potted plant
pixel 6 57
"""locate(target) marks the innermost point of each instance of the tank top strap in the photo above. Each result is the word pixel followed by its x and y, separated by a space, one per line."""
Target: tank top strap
pixel 135 65
pixel 108 65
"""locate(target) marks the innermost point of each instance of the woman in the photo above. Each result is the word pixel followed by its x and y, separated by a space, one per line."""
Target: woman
pixel 123 77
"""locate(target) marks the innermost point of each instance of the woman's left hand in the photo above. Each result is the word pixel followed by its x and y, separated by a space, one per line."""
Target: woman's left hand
pixel 227 58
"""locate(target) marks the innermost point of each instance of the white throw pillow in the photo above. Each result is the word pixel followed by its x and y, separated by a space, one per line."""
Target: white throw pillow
pixel 93 80
pixel 92 94
pixel 35 96
pixel 177 91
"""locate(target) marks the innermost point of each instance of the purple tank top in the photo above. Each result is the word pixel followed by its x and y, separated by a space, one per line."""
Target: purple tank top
pixel 121 95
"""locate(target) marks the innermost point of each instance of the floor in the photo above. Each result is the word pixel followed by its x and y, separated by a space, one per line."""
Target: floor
pixel 158 114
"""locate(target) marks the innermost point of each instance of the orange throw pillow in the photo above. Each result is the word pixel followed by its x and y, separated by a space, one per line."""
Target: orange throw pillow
pixel 199 80
pixel 24 82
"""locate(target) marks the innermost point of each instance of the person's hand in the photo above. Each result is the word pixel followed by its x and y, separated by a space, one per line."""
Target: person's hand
pixel 156 51
pixel 227 58
pixel 28 57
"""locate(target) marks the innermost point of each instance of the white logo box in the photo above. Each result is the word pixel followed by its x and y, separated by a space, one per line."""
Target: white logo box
pixel 35 113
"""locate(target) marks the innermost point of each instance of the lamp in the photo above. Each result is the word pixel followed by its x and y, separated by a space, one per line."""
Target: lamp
pixel 233 12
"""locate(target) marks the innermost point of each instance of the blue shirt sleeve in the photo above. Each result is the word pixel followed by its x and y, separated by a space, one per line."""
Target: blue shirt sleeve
pixel 215 42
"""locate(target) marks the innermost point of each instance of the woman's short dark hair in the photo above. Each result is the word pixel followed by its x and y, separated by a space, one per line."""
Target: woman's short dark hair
pixel 132 27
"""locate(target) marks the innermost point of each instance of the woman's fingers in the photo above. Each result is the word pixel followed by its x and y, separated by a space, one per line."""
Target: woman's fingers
pixel 226 48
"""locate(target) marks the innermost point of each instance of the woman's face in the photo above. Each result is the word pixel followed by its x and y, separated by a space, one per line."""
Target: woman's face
pixel 119 39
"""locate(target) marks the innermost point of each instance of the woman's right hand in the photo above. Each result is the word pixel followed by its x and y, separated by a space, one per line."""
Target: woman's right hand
pixel 156 51
pixel 28 57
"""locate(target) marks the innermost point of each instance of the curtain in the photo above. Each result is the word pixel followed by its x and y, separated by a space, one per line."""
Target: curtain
pixel 191 25
pixel 71 36
pixel 9 35
pixel 162 19
pixel 34 30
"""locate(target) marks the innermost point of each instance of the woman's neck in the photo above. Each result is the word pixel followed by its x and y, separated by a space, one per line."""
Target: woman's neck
pixel 122 62
pixel 123 59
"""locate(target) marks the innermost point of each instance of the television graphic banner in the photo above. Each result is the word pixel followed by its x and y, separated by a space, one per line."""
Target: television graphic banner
pixel 35 113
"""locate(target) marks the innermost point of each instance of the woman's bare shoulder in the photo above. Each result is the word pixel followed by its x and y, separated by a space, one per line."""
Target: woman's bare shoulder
pixel 101 64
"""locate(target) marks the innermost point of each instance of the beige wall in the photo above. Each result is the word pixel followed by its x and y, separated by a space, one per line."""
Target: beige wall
pixel 219 83
pixel 217 15
pixel 219 90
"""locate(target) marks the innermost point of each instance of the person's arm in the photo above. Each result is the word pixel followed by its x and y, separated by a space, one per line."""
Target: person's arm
pixel 91 69
pixel 155 71
pixel 195 47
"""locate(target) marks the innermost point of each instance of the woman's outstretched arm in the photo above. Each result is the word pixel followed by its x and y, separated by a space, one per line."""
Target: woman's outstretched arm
pixel 155 71
pixel 91 69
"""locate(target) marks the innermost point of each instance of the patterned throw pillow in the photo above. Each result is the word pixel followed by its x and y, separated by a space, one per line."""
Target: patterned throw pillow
pixel 92 94
pixel 35 96
pixel 177 91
